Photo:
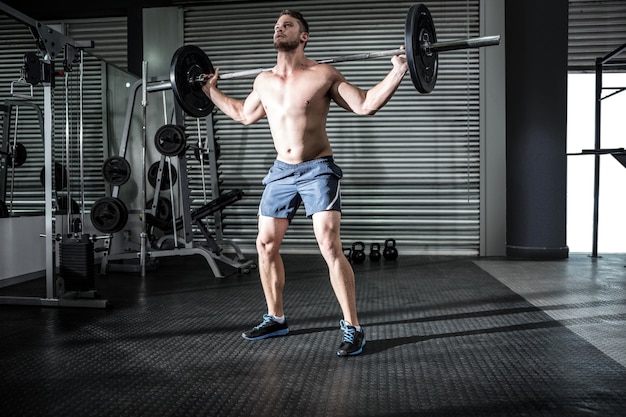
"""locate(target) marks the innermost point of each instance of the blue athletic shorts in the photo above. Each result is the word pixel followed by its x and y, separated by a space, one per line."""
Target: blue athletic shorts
pixel 316 183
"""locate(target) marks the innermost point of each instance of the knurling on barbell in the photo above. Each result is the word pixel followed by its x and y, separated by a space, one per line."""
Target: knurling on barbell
pixel 190 64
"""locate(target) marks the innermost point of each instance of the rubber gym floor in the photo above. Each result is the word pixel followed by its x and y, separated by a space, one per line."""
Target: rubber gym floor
pixel 446 336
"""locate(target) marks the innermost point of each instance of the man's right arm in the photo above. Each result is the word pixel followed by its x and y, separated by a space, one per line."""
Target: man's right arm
pixel 246 112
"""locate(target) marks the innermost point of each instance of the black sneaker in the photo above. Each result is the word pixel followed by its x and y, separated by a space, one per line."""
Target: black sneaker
pixel 268 328
pixel 353 340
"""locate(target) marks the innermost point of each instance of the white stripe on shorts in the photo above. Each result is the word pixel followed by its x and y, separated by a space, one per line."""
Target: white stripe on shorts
pixel 337 194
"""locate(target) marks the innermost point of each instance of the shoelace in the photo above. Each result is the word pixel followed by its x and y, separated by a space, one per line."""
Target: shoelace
pixel 348 333
pixel 266 320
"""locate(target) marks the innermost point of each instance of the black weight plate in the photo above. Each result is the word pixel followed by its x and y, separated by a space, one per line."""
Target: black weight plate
pixel 116 170
pixel 153 171
pixel 19 156
pixel 419 28
pixel 60 176
pixel 163 208
pixel 109 215
pixel 188 62
pixel 170 140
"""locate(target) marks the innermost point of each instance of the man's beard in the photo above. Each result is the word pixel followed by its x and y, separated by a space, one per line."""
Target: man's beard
pixel 282 45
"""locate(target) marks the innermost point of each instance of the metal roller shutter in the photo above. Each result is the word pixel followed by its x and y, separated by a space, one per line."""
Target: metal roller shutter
pixel 596 28
pixel 411 171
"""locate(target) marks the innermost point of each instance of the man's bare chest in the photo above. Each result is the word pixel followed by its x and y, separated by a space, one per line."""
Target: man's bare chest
pixel 294 93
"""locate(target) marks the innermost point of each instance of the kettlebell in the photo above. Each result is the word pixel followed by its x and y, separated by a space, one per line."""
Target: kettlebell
pixel 390 252
pixel 358 252
pixel 348 253
pixel 375 252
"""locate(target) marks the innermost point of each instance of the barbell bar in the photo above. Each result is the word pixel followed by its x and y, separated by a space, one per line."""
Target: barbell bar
pixel 428 48
pixel 190 64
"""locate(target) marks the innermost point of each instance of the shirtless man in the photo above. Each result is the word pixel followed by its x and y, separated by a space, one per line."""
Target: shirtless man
pixel 295 97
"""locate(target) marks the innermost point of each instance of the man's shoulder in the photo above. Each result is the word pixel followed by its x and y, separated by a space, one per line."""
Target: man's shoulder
pixel 328 70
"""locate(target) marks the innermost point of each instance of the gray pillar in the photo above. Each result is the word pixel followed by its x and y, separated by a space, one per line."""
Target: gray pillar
pixel 536 128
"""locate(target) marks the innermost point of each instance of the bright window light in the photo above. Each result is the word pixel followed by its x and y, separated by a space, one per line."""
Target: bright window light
pixel 580 169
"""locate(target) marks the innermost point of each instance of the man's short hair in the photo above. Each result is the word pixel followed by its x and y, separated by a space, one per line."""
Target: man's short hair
pixel 304 26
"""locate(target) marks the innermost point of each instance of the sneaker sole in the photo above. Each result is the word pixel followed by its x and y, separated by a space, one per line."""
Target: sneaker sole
pixel 277 333
pixel 356 352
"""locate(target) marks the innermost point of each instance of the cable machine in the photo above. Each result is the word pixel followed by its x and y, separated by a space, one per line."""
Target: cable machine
pixel 69 288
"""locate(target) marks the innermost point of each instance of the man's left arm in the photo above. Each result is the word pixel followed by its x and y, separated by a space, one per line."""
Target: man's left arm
pixel 369 102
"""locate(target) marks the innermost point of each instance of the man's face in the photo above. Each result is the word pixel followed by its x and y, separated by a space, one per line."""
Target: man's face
pixel 287 35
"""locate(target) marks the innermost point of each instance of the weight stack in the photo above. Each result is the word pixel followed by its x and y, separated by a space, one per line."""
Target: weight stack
pixel 77 263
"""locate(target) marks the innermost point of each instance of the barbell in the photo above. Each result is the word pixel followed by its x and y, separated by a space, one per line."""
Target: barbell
pixel 190 64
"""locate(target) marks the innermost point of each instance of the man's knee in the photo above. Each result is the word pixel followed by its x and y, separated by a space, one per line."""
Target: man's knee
pixel 269 238
pixel 330 245
pixel 266 245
